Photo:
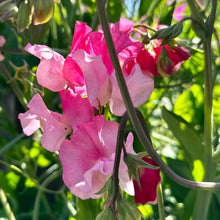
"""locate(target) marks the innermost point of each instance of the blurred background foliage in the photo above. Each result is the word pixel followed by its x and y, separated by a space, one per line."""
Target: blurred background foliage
pixel 31 185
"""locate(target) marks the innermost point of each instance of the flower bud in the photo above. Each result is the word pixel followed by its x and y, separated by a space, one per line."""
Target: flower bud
pixel 24 15
pixel 134 162
pixel 167 34
pixel 44 10
pixel 127 211
pixel 106 214
pixel 8 10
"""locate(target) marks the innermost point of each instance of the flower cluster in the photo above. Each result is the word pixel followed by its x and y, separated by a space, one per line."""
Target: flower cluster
pixel 86 81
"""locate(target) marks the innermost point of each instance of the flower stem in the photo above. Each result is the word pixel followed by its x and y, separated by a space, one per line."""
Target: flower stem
pixel 203 197
pixel 160 202
pixel 13 85
pixel 119 146
pixel 6 205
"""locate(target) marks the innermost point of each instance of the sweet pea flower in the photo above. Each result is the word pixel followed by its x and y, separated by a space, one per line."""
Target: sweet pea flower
pixel 170 59
pixel 140 87
pixel 88 158
pixel 149 180
pixel 55 126
pixel 50 70
pixel 2 42
pixel 93 43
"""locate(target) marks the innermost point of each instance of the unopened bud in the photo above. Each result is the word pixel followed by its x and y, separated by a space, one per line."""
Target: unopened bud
pixel 134 162
pixel 24 15
pixel 106 214
pixel 44 10
pixel 167 34
pixel 164 64
pixel 8 10
pixel 128 211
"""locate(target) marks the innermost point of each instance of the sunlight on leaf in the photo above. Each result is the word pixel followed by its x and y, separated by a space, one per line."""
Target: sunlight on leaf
pixel 43 161
pixel 146 210
pixel 34 152
pixel 12 179
pixel 216 104
pixel 29 183
pixel 198 170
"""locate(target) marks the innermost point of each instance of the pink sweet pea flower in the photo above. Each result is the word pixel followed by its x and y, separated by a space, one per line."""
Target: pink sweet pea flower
pixel 55 126
pixel 2 42
pixel 97 81
pixel 179 11
pixel 93 43
pixel 140 87
pixel 169 59
pixel 149 180
pixel 88 158
pixel 50 70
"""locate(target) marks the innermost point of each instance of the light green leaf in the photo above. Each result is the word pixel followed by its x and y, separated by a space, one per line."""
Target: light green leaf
pixel 188 138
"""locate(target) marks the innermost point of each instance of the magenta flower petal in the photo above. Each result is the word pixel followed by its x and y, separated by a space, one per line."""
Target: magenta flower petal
pixel 149 180
pixel 179 12
pixel 139 86
pixel 50 69
pixel 75 108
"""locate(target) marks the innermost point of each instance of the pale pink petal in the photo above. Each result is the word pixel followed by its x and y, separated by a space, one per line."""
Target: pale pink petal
pixel 124 181
pixel 139 86
pixel 95 75
pixel 54 134
pixel 54 126
pixel 50 75
pixel 38 107
pixel 50 69
pixel 29 122
pixel 88 157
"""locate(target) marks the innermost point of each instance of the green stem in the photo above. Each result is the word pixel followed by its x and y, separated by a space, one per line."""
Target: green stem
pixel 160 202
pixel 50 178
pixel 6 205
pixel 203 198
pixel 13 85
pixel 119 146
pixel 11 143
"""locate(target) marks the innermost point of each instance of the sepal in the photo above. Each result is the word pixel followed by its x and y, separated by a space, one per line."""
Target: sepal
pixel 134 162
pixel 128 211
pixel 167 34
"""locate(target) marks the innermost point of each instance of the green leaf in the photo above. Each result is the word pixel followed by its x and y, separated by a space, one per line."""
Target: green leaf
pixel 188 138
pixel 114 9
pixel 216 104
pixel 144 6
pixel 88 209
pixel 189 105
